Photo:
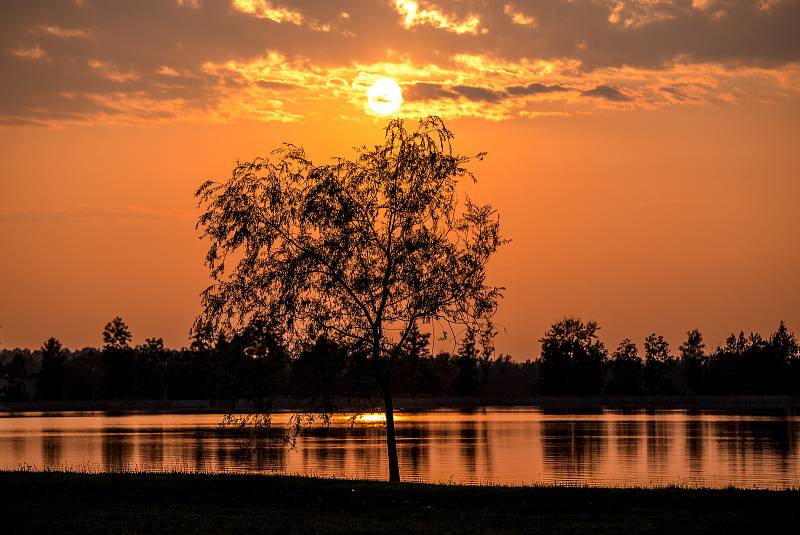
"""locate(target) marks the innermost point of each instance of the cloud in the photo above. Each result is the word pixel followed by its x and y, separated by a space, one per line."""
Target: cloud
pixel 518 17
pixel 427 91
pixel 480 94
pixel 702 5
pixel 108 70
pixel 640 13
pixel 62 33
pixel 414 15
pixel 167 71
pixel 32 53
pixel 267 10
pixel 536 88
pixel 283 60
pixel 607 92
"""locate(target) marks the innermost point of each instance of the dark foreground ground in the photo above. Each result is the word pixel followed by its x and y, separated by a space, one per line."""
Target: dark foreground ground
pixel 55 502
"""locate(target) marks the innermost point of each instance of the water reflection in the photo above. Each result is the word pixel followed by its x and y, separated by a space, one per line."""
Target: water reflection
pixel 151 446
pixel 414 447
pixel 574 448
pixel 117 448
pixel 658 443
pixel 628 435
pixel 51 448
pixel 467 437
pixel 504 446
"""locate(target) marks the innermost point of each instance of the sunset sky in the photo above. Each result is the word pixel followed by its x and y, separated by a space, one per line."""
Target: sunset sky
pixel 644 155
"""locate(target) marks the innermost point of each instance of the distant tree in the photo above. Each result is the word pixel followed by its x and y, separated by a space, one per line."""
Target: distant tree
pixel 486 355
pixel 118 360
pixel 251 365
pixel 572 358
pixel 466 382
pixel 153 368
pixel 765 363
pixel 625 370
pixel 656 349
pixel 83 374
pixel 15 373
pixel 358 249
pixel 318 373
pixel 658 372
pixel 693 349
pixel 510 379
pixel 51 376
pixel 692 355
pixel 413 353
pixel 784 343
pixel 116 335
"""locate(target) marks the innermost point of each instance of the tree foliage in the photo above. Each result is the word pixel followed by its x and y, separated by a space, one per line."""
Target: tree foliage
pixel 572 358
pixel 357 249
pixel 116 335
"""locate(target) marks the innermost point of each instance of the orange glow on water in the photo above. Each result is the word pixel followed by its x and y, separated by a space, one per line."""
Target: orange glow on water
pixel 371 418
pixel 524 446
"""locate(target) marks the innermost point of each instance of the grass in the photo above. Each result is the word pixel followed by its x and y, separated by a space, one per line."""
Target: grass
pixel 121 503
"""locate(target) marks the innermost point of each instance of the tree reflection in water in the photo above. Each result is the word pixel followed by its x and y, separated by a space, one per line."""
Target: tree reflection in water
pixel 638 447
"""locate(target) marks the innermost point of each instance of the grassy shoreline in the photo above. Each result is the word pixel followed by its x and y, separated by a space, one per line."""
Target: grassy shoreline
pixel 434 403
pixel 68 502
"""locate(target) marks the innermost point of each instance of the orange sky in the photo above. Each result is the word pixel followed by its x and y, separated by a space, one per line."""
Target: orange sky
pixel 642 154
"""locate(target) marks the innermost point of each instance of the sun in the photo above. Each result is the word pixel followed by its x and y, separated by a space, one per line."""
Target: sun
pixel 384 96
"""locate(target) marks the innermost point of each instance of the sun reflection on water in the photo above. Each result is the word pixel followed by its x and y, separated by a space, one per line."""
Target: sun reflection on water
pixel 371 418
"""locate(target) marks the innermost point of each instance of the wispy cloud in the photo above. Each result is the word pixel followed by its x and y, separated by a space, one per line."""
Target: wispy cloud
pixel 62 33
pixel 518 17
pixel 419 13
pixel 29 52
pixel 267 10
pixel 109 70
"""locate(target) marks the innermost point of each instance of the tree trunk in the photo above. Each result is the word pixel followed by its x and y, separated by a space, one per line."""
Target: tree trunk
pixel 391 442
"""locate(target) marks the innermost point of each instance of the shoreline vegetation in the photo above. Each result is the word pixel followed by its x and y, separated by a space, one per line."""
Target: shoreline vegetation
pixel 574 368
pixel 422 404
pixel 71 502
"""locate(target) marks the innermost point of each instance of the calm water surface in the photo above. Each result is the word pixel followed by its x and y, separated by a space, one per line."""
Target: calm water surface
pixel 509 446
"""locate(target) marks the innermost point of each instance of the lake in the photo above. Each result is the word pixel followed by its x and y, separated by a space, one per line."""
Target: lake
pixel 514 446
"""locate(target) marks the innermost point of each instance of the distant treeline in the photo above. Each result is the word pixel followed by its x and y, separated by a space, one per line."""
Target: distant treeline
pixel 253 366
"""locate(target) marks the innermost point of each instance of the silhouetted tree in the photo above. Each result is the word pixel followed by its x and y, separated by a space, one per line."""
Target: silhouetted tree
pixel 251 365
pixel 412 356
pixel 692 355
pixel 785 343
pixel 152 361
pixel 510 379
pixel 658 364
pixel 15 372
pixel 358 249
pixel 51 375
pixel 625 370
pixel 318 373
pixel 572 358
pixel 486 355
pixel 83 374
pixel 737 365
pixel 116 335
pixel 466 382
pixel 118 360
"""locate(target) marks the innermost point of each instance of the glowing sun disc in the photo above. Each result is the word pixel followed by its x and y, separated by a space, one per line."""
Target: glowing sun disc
pixel 384 96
